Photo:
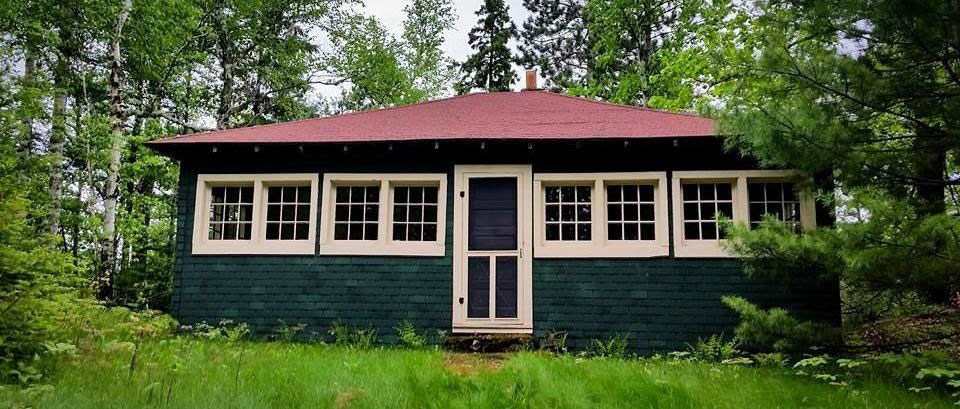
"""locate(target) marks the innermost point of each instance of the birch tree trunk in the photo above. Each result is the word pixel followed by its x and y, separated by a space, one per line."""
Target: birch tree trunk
pixel 25 146
pixel 58 137
pixel 108 265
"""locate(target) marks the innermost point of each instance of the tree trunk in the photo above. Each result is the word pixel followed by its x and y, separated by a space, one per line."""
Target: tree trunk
pixel 25 145
pixel 929 160
pixel 58 138
pixel 108 265
pixel 227 64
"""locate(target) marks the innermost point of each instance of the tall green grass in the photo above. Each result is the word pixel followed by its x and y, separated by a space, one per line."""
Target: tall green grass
pixel 189 372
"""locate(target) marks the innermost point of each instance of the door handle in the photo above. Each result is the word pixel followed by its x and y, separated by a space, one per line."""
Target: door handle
pixel 461 300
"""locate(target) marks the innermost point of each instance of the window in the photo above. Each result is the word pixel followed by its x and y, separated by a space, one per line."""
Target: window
pixel 777 199
pixel 255 214
pixel 701 197
pixel 601 215
pixel 568 213
pixel 384 214
pixel 703 205
pixel 357 213
pixel 631 212
pixel 288 212
pixel 415 213
pixel 231 213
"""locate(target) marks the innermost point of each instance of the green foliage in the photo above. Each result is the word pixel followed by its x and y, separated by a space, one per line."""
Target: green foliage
pixel 714 349
pixel 554 39
pixel 289 333
pixel 555 341
pixel 613 347
pixel 776 330
pixel 886 256
pixel 383 70
pixel 353 337
pixel 408 337
pixel 490 66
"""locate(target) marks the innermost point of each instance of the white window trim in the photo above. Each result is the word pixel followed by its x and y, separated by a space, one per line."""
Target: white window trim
pixel 599 246
pixel 258 244
pixel 384 245
pixel 741 209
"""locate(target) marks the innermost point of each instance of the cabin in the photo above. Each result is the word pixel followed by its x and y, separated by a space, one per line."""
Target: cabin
pixel 520 212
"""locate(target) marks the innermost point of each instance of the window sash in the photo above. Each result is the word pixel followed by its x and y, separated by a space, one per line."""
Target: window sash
pixel 258 225
pixel 385 241
pixel 601 243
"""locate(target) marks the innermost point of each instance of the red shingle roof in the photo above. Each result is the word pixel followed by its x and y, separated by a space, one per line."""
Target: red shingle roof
pixel 498 115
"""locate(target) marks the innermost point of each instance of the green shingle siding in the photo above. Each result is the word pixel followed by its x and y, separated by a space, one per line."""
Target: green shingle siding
pixel 663 303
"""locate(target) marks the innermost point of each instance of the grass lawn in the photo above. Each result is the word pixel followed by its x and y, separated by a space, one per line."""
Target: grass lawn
pixel 194 373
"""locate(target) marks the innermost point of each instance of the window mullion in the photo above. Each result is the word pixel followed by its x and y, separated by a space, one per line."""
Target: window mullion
pixel 383 202
pixel 598 214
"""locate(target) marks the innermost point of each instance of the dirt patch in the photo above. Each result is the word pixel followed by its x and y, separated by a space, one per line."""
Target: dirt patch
pixel 464 364
pixel 346 397
pixel 938 330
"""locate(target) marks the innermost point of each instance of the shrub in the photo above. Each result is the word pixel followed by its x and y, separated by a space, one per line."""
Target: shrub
pixel 289 333
pixel 776 330
pixel 407 335
pixel 555 342
pixel 714 349
pixel 360 338
pixel 613 347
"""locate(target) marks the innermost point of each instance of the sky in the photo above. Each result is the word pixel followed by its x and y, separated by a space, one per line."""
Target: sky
pixel 390 13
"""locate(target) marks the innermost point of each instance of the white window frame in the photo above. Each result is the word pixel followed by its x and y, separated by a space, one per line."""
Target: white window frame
pixel 258 243
pixel 384 245
pixel 738 180
pixel 599 246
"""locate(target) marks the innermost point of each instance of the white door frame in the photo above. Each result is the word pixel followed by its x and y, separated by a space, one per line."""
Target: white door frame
pixel 524 321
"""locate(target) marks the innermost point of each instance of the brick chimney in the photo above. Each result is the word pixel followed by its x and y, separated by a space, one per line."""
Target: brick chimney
pixel 531 80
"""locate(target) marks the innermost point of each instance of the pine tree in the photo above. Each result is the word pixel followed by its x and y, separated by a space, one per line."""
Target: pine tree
pixel 490 66
pixel 554 39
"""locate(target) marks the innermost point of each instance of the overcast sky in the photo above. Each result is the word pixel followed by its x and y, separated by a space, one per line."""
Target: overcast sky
pixel 390 14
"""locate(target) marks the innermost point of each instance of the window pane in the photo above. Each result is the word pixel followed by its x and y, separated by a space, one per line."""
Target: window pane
pixel 646 212
pixel 401 194
pixel 373 194
pixel 303 231
pixel 615 212
pixel 414 232
pixel 287 213
pixel 553 213
pixel 340 231
pixel 273 213
pixel 631 231
pixel 567 231
pixel 553 194
pixel 243 232
pixel 648 231
pixel 273 231
pixel 343 194
pixel 614 193
pixel 416 213
pixel 646 193
pixel 724 191
pixel 286 231
pixel 583 194
pixel 399 213
pixel 707 191
pixel 399 231
pixel 583 231
pixel 553 232
pixel 583 213
pixel 630 212
pixel 777 199
pixel 430 213
pixel 690 191
pixel 567 194
pixel 709 230
pixel 630 193
pixel 430 194
pixel 303 194
pixel 430 232
pixel 370 232
pixel 303 213
pixel 217 194
pixel 691 231
pixel 342 213
pixel 274 194
pixel 614 231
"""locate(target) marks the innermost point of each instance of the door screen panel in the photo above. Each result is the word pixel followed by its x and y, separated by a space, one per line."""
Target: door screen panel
pixel 506 288
pixel 478 287
pixel 493 214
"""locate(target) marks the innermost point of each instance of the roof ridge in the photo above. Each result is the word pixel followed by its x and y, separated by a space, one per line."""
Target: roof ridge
pixel 614 104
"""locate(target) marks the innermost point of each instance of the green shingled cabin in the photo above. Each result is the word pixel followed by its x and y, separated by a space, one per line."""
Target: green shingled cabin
pixel 505 213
